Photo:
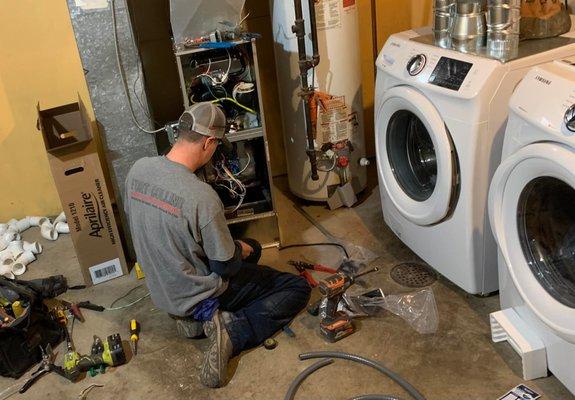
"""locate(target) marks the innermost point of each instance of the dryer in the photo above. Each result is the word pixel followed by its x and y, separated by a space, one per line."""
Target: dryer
pixel 440 118
pixel 532 212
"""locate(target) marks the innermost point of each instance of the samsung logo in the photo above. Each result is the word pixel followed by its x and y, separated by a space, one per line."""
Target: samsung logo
pixel 543 80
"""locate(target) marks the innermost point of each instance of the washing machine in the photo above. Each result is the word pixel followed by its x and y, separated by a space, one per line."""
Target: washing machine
pixel 532 212
pixel 440 118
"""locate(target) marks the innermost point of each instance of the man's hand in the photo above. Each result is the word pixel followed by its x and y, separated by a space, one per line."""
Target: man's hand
pixel 246 249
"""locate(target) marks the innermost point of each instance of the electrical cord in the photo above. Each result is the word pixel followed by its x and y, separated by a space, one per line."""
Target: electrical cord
pixel 247 165
pixel 293 387
pixel 112 308
pixel 370 363
pixel 237 103
pixel 123 73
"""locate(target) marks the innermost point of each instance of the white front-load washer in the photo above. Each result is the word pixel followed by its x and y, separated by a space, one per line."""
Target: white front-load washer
pixel 532 212
pixel 440 117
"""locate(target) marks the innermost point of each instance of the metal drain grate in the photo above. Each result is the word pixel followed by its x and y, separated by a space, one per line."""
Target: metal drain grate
pixel 413 275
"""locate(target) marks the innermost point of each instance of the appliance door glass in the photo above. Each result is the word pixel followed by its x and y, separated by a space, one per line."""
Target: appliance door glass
pixel 416 159
pixel 532 211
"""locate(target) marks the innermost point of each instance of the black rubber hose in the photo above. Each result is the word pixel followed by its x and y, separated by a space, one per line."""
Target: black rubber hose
pixel 305 373
pixel 370 363
pixel 375 397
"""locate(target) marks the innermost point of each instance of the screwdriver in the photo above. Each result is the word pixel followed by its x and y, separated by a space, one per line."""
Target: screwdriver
pixel 135 334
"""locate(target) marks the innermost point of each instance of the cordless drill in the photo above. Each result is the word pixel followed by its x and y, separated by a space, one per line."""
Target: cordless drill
pixel 336 324
pixel 108 353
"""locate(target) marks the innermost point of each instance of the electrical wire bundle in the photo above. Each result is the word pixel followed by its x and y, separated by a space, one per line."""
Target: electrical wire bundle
pixel 229 181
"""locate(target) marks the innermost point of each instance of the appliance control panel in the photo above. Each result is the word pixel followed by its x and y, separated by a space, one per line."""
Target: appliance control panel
pixel 448 71
pixel 546 96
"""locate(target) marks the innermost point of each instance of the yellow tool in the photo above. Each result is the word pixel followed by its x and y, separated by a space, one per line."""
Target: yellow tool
pixel 139 272
pixel 17 309
pixel 135 334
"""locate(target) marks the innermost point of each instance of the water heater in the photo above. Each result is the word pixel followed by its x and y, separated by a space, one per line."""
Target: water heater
pixel 337 109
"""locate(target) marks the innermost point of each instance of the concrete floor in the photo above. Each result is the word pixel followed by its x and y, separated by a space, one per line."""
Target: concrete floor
pixel 458 362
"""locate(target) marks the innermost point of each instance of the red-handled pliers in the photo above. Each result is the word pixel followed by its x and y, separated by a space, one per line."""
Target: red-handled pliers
pixel 303 268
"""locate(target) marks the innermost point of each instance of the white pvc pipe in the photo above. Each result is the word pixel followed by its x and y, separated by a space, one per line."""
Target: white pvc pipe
pixel 26 258
pixel 18 268
pixel 62 227
pixel 60 218
pixel 5 254
pixel 3 228
pixel 35 248
pixel 48 232
pixel 16 247
pixel 37 221
pixel 23 224
pixel 9 236
pixel 6 270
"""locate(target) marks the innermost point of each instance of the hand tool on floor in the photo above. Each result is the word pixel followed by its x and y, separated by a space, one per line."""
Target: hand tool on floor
pixel 304 268
pixel 46 366
pixel 336 324
pixel 135 334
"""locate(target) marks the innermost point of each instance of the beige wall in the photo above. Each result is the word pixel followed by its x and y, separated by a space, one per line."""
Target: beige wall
pixel 39 62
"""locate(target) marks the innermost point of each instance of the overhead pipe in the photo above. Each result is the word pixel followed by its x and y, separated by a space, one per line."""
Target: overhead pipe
pixel 305 64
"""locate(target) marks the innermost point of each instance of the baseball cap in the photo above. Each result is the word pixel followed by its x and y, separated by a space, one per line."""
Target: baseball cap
pixel 206 119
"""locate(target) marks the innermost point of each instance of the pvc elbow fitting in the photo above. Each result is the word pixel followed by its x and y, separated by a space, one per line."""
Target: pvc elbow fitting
pixel 37 221
pixel 16 247
pixel 62 227
pixel 6 270
pixel 60 218
pixel 23 224
pixel 48 231
pixel 35 248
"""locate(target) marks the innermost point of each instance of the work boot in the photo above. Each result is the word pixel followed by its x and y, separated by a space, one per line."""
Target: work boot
pixel 215 366
pixel 188 327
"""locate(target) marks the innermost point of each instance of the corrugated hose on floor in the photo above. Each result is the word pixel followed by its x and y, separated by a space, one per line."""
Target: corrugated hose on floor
pixel 328 357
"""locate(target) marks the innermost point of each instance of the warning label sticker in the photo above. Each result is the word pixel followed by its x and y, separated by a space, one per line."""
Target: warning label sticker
pixel 328 14
pixel 348 3
pixel 333 120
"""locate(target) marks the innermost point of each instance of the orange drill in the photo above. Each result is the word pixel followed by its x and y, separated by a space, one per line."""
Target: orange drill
pixel 336 324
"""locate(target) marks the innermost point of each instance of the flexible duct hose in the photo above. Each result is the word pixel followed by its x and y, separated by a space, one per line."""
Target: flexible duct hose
pixel 301 377
pixel 370 363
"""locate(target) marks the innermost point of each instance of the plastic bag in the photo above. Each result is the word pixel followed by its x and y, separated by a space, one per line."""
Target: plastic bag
pixel 418 309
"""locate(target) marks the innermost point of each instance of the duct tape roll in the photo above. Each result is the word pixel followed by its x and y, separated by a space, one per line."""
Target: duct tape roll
pixel 16 247
pixel 6 270
pixel 23 224
pixel 48 232
pixel 60 218
pixel 62 227
pixel 37 221
pixel 35 248
pixel 25 258
pixel 18 269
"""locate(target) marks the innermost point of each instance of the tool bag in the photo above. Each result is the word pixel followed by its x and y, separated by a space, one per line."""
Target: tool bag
pixel 543 19
pixel 20 340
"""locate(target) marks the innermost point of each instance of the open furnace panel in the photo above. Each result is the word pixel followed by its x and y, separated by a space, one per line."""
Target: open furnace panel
pixel 241 176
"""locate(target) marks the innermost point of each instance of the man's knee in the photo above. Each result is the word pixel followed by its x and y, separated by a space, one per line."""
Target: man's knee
pixel 300 286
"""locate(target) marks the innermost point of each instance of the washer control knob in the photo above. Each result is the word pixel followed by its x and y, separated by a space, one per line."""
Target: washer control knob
pixel 569 119
pixel 416 64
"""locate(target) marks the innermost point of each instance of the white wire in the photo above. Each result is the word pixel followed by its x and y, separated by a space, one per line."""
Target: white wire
pixel 122 72
pixel 332 166
pixel 247 165
pixel 128 305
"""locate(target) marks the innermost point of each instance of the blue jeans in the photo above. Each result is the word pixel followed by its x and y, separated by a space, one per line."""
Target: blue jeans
pixel 261 301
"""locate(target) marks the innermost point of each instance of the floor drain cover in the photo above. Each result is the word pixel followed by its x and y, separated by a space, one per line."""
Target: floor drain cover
pixel 413 275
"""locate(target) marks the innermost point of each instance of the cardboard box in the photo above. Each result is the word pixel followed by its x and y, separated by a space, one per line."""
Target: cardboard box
pixel 77 172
